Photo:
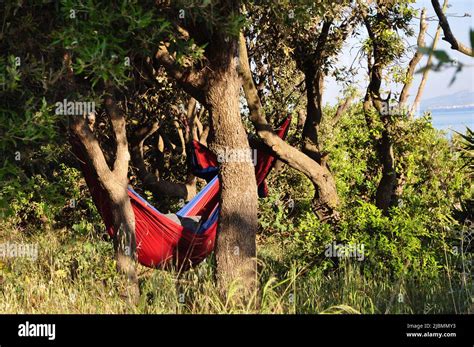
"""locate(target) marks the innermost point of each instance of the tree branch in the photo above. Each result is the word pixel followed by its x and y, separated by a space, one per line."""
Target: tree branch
pixel 448 34
pixel 424 77
pixel 122 156
pixel 81 130
pixel 318 174
pixel 415 60
pixel 341 109
pixel 149 180
pixel 191 81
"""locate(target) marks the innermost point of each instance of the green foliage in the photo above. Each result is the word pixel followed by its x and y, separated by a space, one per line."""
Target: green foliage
pixel 419 249
pixel 37 203
pixel 466 147
pixel 421 237
pixel 99 51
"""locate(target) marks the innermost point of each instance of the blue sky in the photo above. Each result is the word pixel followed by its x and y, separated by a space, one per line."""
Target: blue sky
pixel 438 82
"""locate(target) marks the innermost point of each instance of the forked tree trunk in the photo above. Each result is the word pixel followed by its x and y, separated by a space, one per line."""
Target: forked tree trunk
pixel 115 182
pixel 235 245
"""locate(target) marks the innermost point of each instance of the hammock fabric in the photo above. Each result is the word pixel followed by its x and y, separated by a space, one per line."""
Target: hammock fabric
pixel 204 163
pixel 160 239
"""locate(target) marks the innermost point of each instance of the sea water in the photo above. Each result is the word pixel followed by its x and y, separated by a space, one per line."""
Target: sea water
pixel 453 119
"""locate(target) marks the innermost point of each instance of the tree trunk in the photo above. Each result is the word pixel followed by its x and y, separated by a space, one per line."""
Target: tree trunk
pixel 314 81
pixel 115 183
pixel 384 144
pixel 216 87
pixel 235 244
pixel 124 226
pixel 327 198
pixel 386 188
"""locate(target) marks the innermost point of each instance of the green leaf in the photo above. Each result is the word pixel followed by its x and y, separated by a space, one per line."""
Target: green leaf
pixel 442 56
pixel 425 50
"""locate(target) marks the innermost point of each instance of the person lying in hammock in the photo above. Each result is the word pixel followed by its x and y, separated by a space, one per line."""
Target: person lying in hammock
pixel 192 223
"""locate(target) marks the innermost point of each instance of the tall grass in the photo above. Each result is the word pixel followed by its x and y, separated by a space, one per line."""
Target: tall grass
pixel 77 275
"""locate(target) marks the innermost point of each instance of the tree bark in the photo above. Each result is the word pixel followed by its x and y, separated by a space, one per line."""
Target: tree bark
pixel 312 66
pixel 216 86
pixel 235 244
pixel 115 180
pixel 115 183
pixel 314 81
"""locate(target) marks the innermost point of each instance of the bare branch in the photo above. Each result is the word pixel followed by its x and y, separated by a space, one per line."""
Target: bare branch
pixel 448 34
pixel 341 109
pixel 149 180
pixel 415 60
pixel 424 78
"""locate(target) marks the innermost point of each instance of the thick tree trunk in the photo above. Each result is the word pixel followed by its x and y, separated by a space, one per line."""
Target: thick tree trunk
pixel 216 87
pixel 235 245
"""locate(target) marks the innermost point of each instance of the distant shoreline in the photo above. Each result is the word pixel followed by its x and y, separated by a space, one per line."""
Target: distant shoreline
pixel 453 118
pixel 440 108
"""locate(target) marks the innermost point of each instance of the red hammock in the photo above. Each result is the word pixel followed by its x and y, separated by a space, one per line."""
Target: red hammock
pixel 160 239
pixel 204 163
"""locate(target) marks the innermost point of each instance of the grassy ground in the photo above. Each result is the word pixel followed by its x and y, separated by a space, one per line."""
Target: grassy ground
pixel 76 274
